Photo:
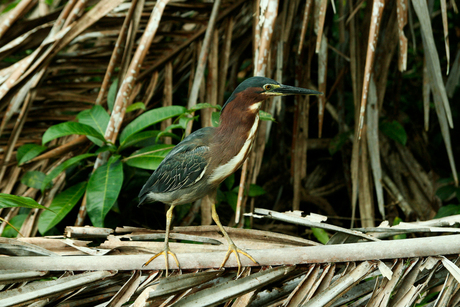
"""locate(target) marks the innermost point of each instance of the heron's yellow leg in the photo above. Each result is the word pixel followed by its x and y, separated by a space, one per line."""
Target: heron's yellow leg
pixel 166 250
pixel 231 246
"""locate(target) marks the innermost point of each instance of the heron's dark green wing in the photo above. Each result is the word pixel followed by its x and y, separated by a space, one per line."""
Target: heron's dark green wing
pixel 180 171
pixel 182 167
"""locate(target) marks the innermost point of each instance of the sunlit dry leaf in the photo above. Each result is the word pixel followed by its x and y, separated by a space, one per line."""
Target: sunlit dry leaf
pixel 402 21
pixel 377 11
pixel 232 289
pixel 372 130
pixel 322 77
pixel 320 16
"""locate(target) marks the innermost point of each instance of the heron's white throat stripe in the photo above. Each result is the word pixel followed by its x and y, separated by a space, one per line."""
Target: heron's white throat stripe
pixel 255 106
pixel 225 170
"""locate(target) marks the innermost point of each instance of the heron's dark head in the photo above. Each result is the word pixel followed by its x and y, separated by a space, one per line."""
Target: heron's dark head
pixel 253 91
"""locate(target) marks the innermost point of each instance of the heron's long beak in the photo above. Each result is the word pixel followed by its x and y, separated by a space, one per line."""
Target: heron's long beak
pixel 285 90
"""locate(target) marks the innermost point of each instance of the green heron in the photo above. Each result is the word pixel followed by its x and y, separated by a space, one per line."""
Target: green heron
pixel 204 159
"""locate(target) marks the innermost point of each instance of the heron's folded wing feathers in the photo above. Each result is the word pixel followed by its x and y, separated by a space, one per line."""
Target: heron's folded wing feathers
pixel 180 169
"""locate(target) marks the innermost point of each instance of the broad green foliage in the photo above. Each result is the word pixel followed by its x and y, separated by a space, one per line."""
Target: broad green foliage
pixel 320 234
pixel 8 201
pixel 215 119
pixel 62 167
pixel 104 185
pixel 33 179
pixel 449 193
pixel 448 210
pixel 394 131
pixel 69 128
pixel 28 151
pixel 149 157
pixel 98 119
pixel 103 189
pixel 17 221
pixel 231 196
pixel 61 205
pixel 266 116
pixel 150 118
pixel 255 190
pixel 141 137
pixel 135 106
pixel 201 106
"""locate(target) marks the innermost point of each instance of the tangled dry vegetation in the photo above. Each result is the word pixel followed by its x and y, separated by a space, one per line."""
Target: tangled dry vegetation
pixel 71 274
pixel 115 66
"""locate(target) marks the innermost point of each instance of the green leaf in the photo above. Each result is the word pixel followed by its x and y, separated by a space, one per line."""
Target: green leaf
pixel 69 128
pixel 255 190
pixel 337 142
pixel 10 6
pixel 149 157
pixel 215 119
pixel 9 201
pixel 166 132
pixel 62 167
pixel 62 204
pixel 266 116
pixel 230 181
pixel 103 189
pixel 112 94
pixel 448 211
pixel 232 199
pixel 402 236
pixel 135 106
pixel 204 105
pixel 184 120
pixel 17 221
pixel 394 130
pixel 33 179
pixel 446 192
pixel 96 117
pixel 320 234
pixel 28 151
pixel 139 137
pixel 105 148
pixel 149 118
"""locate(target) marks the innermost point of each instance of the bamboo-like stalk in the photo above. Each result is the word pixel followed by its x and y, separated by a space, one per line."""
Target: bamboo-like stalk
pixel 308 4
pixel 320 16
pixel 377 11
pixel 202 59
pixel 119 46
pixel 420 247
pixel 125 91
pixel 20 9
pixel 167 97
pixel 402 21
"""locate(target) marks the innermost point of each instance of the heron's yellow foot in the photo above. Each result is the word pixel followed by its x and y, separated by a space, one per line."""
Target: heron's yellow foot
pixel 235 250
pixel 165 252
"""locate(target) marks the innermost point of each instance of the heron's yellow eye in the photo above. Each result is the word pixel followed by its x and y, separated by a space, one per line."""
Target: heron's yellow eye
pixel 267 87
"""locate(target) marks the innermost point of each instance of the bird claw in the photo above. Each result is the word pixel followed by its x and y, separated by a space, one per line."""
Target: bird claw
pixel 165 252
pixel 235 250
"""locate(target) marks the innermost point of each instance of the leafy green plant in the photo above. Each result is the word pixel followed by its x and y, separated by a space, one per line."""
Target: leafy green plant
pixel 230 196
pixel 449 193
pixel 394 130
pixel 102 186
pixel 138 147
pixel 10 201
pixel 320 234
